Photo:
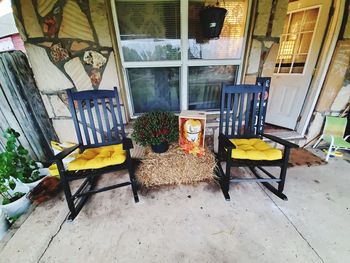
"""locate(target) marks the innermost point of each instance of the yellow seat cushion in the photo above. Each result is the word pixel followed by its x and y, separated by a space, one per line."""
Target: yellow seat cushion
pixel 254 149
pixel 95 158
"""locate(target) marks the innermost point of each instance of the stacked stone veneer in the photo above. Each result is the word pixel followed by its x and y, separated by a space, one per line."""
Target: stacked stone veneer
pixel 69 46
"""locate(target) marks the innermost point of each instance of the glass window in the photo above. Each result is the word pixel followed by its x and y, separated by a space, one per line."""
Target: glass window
pixel 295 41
pixel 153 54
pixel 204 85
pixel 149 30
pixel 154 89
pixel 230 43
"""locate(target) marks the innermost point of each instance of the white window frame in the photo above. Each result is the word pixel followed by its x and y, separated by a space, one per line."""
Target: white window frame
pixel 184 61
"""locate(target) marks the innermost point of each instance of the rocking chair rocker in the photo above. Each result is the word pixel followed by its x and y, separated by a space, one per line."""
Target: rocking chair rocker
pixel 108 150
pixel 241 130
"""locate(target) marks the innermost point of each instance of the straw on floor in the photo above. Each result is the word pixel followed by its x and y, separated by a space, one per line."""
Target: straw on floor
pixel 175 167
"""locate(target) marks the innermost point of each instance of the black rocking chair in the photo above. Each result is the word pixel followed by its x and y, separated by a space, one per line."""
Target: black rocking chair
pixel 242 116
pixel 104 128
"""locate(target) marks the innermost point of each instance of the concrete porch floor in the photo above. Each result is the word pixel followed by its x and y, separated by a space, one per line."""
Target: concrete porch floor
pixel 196 224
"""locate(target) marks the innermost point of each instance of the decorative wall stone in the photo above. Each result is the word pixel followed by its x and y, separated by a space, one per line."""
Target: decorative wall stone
pixel 279 18
pixel 93 58
pixel 45 6
pixel 78 46
pixel 270 61
pixel 50 26
pixel 75 23
pixel 65 130
pixel 268 44
pixel 254 57
pixel 110 77
pixel 45 44
pixel 60 109
pixel 95 77
pixel 30 20
pixel 262 20
pixel 77 73
pixel 48 105
pixel 98 15
pixel 19 23
pixel 58 53
pixel 48 77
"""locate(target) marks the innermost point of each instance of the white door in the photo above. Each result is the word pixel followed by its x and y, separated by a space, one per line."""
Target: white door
pixel 300 44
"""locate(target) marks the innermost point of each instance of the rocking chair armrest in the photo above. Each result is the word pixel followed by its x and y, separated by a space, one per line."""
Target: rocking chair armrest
pixel 280 141
pixel 127 144
pixel 65 153
pixel 226 142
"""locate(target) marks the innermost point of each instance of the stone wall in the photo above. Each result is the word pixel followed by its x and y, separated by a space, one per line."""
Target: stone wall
pixel 68 45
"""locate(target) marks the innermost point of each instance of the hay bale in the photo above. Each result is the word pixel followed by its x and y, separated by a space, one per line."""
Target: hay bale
pixel 175 167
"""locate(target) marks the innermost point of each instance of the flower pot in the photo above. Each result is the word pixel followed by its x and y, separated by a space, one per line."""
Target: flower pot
pixel 3 224
pixel 43 172
pixel 160 148
pixel 19 206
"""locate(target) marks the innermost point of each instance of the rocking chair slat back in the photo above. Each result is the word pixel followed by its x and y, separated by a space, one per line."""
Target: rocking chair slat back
pixel 264 81
pixel 246 119
pixel 105 113
pixel 247 114
pixel 243 108
pixel 95 119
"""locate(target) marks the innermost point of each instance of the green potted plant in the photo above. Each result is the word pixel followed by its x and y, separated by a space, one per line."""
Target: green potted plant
pixel 15 168
pixel 16 163
pixel 14 197
pixel 156 129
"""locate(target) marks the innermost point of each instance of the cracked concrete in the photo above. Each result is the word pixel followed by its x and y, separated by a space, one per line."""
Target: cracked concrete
pixel 195 224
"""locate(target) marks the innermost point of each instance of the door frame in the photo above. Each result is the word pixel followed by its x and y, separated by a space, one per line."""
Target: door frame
pixel 322 65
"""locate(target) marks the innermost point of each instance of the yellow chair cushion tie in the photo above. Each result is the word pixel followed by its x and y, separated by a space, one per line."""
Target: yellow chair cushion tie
pixel 95 158
pixel 254 149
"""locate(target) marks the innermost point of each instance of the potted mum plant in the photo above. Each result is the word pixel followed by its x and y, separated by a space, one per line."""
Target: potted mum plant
pixel 156 129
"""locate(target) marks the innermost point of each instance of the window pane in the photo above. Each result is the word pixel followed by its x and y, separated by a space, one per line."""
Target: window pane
pixel 310 19
pixel 230 43
pixel 149 30
pixel 296 41
pixel 154 89
pixel 204 85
